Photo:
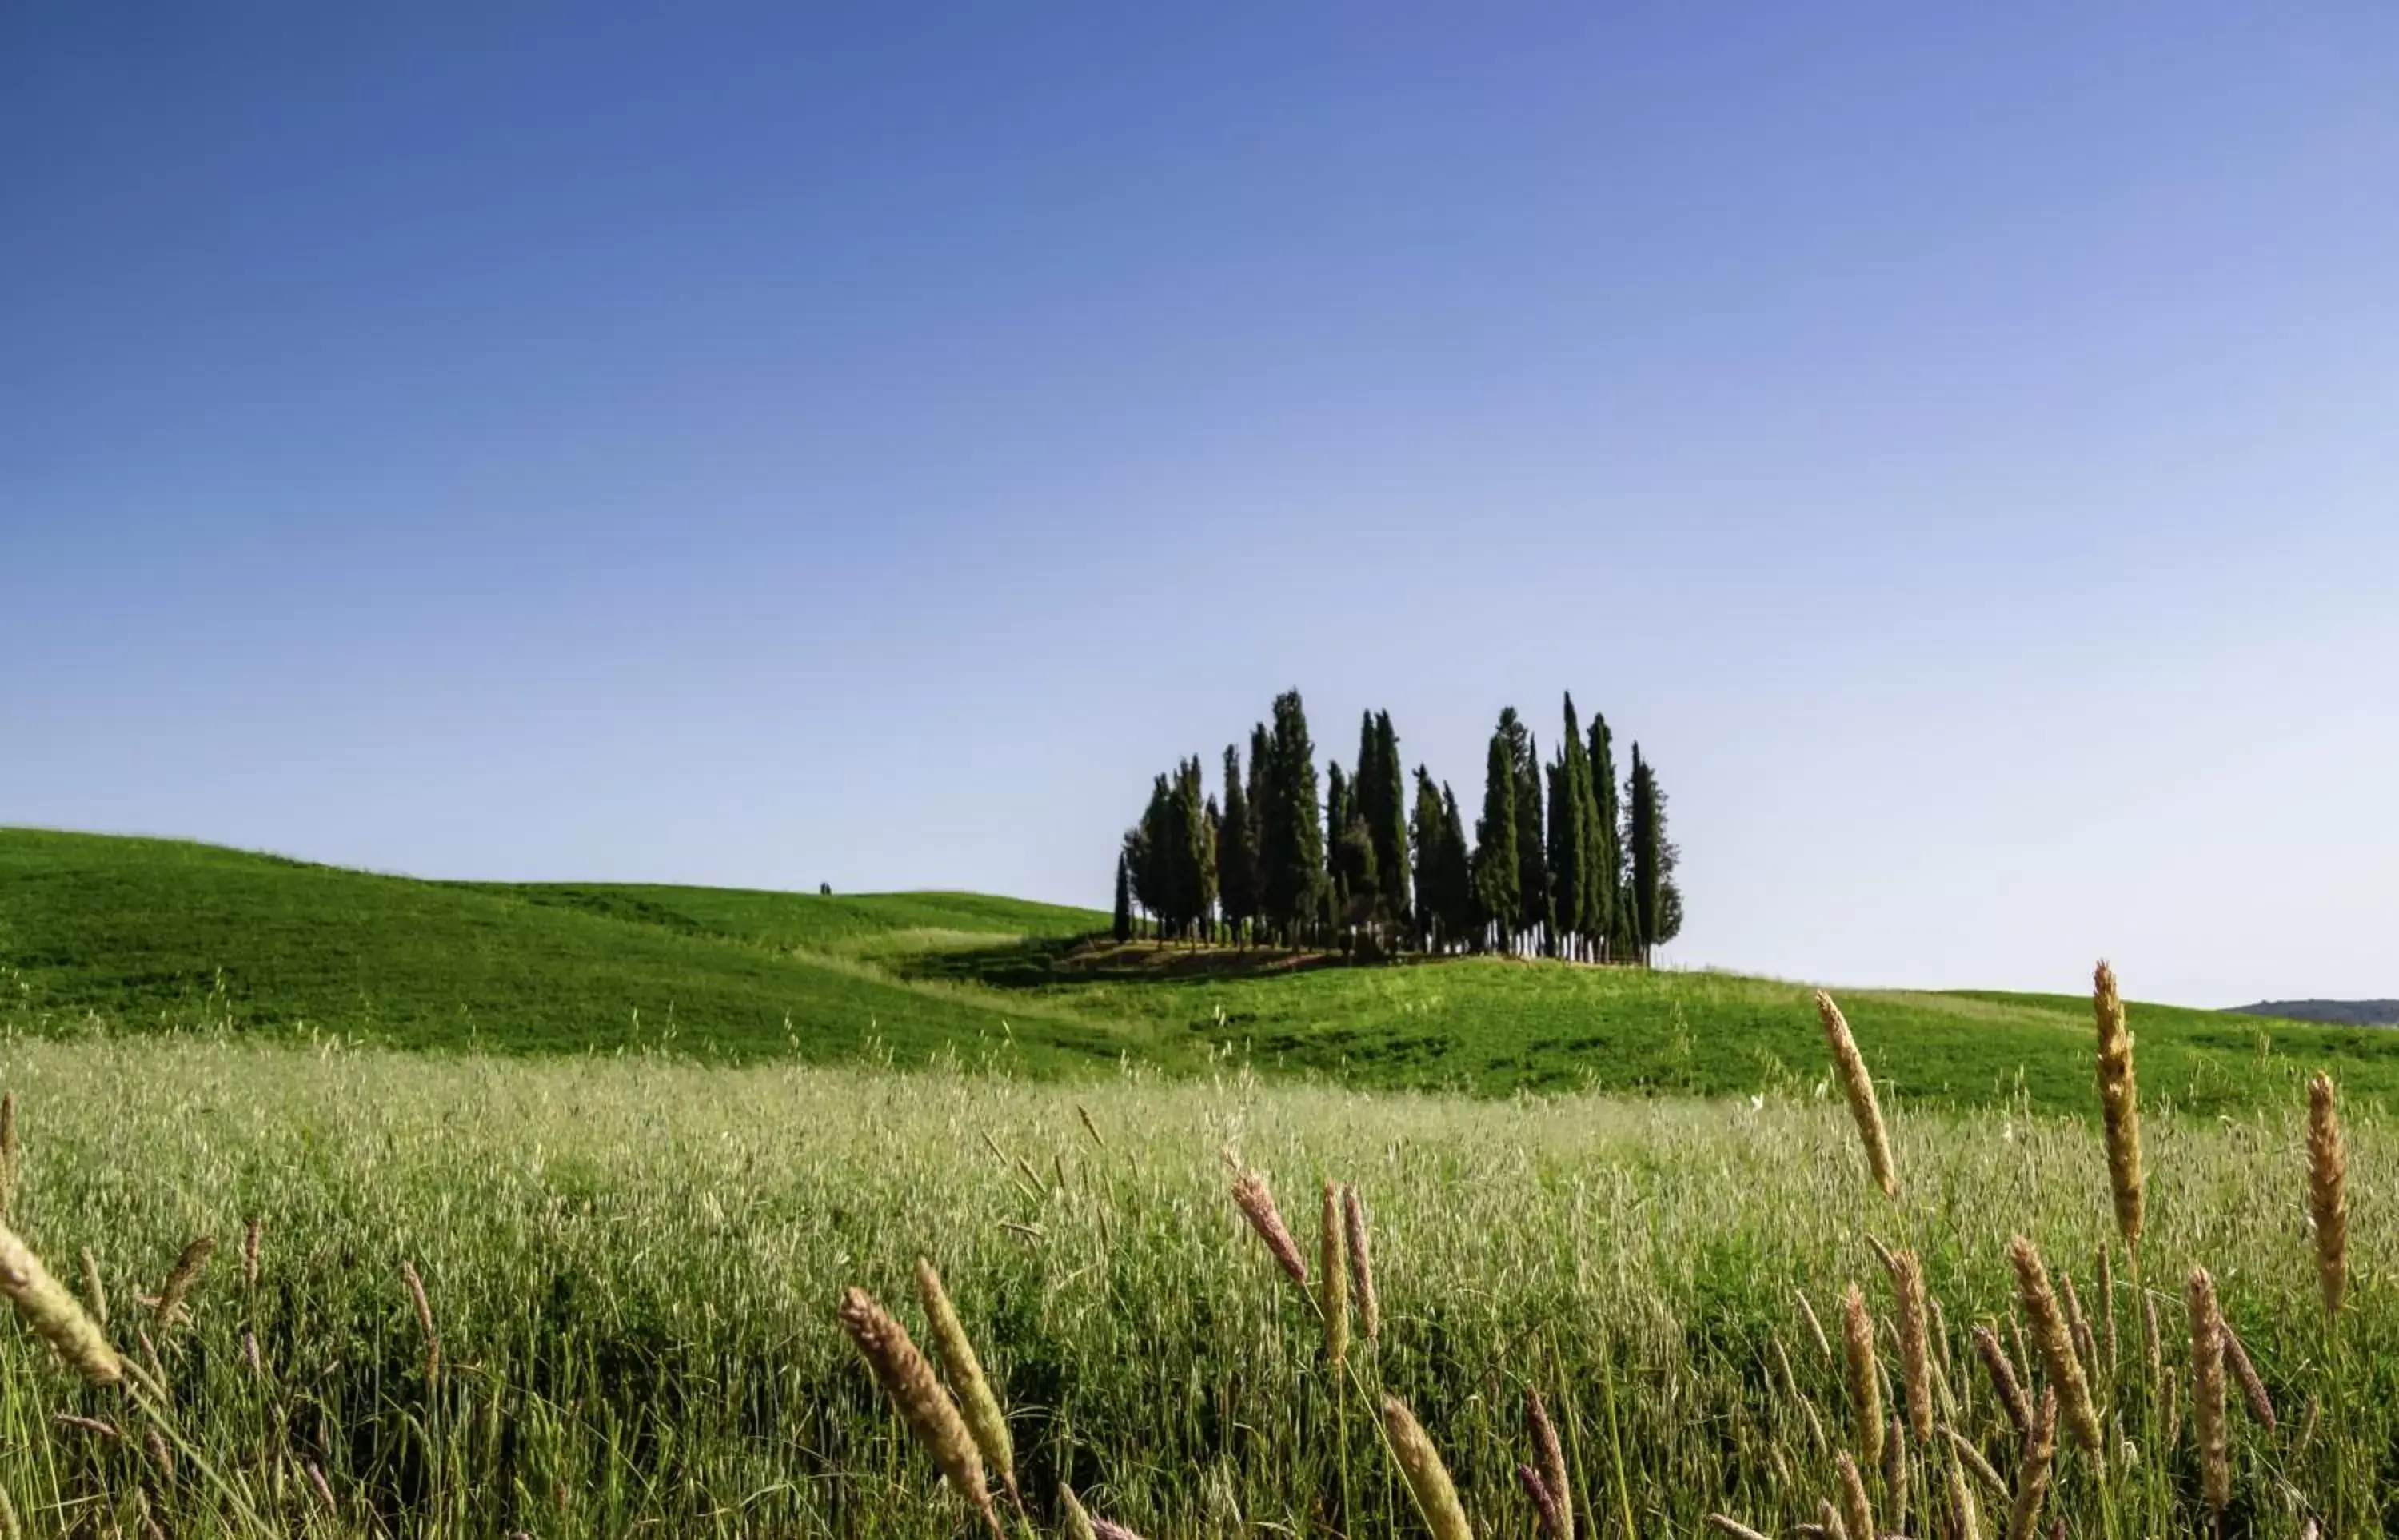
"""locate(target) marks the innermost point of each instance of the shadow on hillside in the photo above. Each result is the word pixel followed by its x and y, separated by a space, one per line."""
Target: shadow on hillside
pixel 1036 963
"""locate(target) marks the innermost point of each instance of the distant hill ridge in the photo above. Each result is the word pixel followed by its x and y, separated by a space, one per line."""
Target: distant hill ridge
pixel 2338 1013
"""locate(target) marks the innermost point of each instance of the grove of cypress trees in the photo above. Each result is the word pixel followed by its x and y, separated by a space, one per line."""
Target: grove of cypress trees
pixel 1291 841
pixel 1499 899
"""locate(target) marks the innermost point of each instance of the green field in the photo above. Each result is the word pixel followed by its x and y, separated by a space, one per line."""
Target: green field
pixel 141 934
pixel 632 1263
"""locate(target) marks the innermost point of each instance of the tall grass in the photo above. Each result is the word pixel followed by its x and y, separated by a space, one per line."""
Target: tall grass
pixel 634 1267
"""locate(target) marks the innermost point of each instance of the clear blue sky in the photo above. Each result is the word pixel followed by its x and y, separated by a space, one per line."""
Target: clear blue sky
pixel 762 446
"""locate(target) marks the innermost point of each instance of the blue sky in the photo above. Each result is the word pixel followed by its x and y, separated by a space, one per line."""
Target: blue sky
pixel 763 445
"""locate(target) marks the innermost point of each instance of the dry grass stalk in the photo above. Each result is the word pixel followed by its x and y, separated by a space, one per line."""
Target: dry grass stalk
pixel 1545 1503
pixel 92 1425
pixel 1858 1085
pixel 1250 1194
pixel 1071 1516
pixel 2328 1191
pixel 1857 1510
pixel 53 1313
pixel 1972 1459
pixel 250 1242
pixel 1858 1375
pixel 1966 1518
pixel 923 1404
pixel 160 1455
pixel 1894 1472
pixel 2118 1103
pixel 1816 1326
pixel 1332 1276
pixel 423 1306
pixel 2208 1390
pixel 10 1527
pixel 1791 1388
pixel 1915 1354
pixel 2154 1345
pixel 2051 1336
pixel 2032 1474
pixel 323 1487
pixel 1108 1529
pixel 1829 1520
pixel 1732 1527
pixel 95 1292
pixel 985 1422
pixel 2253 1389
pixel 2004 1383
pixel 2078 1325
pixel 180 1279
pixel 1362 1262
pixel 1428 1479
pixel 8 1154
pixel 1089 1127
pixel 2172 1404
pixel 1551 1454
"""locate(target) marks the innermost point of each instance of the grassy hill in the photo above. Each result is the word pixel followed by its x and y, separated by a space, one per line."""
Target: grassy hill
pixel 149 933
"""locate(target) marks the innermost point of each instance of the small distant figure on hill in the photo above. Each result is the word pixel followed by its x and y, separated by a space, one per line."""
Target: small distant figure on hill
pixel 824 890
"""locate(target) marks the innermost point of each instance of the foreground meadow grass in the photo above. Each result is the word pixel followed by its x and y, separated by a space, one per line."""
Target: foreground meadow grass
pixel 631 1267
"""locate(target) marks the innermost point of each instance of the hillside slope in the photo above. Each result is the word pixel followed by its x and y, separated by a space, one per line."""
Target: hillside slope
pixel 149 933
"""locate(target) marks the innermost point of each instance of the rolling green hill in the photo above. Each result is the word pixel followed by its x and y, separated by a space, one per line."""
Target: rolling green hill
pixel 137 932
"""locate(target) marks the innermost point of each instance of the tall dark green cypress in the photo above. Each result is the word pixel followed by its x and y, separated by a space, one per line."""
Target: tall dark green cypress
pixel 1569 834
pixel 1389 820
pixel 1498 900
pixel 1423 836
pixel 1237 849
pixel 1613 923
pixel 1291 840
pixel 1336 819
pixel 1457 907
pixel 1122 929
pixel 1647 834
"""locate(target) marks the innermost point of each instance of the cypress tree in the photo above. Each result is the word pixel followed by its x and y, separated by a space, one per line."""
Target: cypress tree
pixel 1336 821
pixel 1210 827
pixel 1148 850
pixel 1291 841
pixel 1389 822
pixel 1569 835
pixel 1612 920
pixel 1498 900
pixel 1456 872
pixel 1424 834
pixel 1532 858
pixel 1237 849
pixel 1647 833
pixel 1123 928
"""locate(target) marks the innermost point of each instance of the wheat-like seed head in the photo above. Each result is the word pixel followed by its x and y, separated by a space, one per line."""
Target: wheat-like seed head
pixel 1894 1472
pixel 1250 1191
pixel 977 1401
pixel 416 1297
pixel 1536 1491
pixel 2155 1345
pixel 95 1293
pixel 1966 1520
pixel 1914 1352
pixel 53 1314
pixel 1733 1528
pixel 2245 1373
pixel 10 1528
pixel 1816 1326
pixel 2118 1103
pixel 1428 1479
pixel 249 1241
pixel 1858 1374
pixel 2208 1390
pixel 1857 1510
pixel 1858 1085
pixel 2328 1191
pixel 1332 1275
pixel 7 1152
pixel 2077 1326
pixel 2033 1473
pixel 1362 1262
pixel 1971 1459
pixel 1072 1518
pixel 923 1404
pixel 1108 1529
pixel 2055 1339
pixel 1551 1455
pixel 180 1278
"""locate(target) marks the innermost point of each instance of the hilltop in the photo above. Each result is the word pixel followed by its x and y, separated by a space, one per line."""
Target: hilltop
pixel 140 933
pixel 2348 1013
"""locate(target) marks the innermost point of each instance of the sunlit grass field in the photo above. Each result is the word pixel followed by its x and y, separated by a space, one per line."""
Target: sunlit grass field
pixel 632 1264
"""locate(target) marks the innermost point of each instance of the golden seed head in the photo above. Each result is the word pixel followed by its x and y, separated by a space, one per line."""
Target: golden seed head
pixel 2004 1383
pixel 1362 1262
pixel 922 1403
pixel 249 1239
pixel 1915 1355
pixel 1858 1086
pixel 180 1278
pixel 2032 1476
pixel 2055 1339
pixel 2245 1373
pixel 2119 1104
pixel 1332 1275
pixel 1428 1479
pixel 985 1422
pixel 2207 1390
pixel 2328 1191
pixel 1550 1457
pixel 1256 1202
pixel 53 1313
pixel 1857 1512
pixel 1858 1374
pixel 1072 1519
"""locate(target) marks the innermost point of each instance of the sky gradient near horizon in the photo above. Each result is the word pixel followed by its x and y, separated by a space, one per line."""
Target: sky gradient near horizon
pixel 761 445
